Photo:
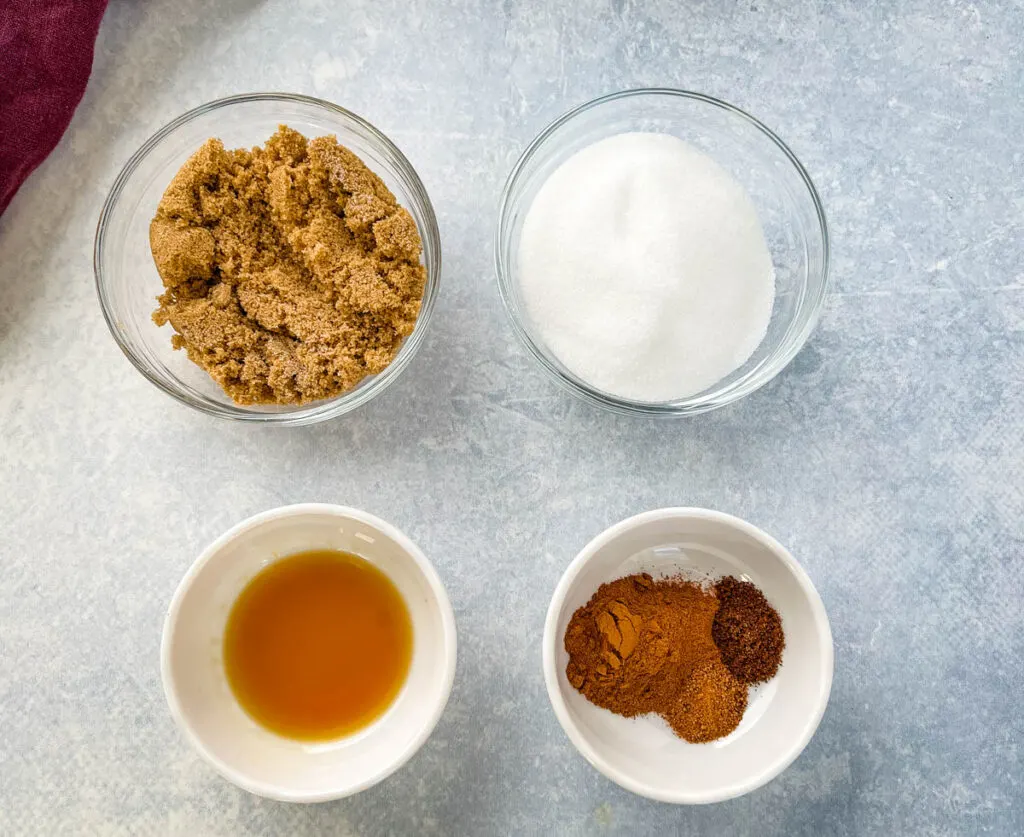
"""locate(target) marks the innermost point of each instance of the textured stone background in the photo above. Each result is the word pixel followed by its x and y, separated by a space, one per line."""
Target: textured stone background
pixel 888 457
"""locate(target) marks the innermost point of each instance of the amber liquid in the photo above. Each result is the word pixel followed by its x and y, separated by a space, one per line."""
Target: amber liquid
pixel 318 645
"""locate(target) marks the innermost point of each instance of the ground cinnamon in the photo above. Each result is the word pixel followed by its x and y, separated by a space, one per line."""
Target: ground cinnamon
pixel 641 646
pixel 747 631
pixel 636 640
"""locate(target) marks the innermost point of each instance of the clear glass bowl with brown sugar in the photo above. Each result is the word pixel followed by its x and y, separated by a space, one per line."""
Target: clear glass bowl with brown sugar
pixel 127 280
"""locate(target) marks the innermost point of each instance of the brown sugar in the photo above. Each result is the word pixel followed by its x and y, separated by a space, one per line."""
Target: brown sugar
pixel 748 631
pixel 290 271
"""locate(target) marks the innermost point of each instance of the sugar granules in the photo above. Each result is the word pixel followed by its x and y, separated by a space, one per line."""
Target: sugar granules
pixel 645 269
pixel 290 271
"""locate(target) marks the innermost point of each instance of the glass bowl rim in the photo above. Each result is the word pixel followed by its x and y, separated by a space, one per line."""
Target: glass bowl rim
pixel 303 414
pixel 693 405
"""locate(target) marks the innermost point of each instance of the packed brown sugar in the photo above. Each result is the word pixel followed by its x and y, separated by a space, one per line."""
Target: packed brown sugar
pixel 290 271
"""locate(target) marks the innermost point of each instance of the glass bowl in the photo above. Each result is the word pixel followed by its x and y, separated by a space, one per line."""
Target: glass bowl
pixel 787 204
pixel 127 280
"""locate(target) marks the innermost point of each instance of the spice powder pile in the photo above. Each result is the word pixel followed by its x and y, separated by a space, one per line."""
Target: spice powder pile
pixel 290 271
pixel 676 648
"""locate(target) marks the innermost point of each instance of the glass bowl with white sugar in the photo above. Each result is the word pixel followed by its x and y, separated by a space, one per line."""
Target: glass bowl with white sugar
pixel 661 252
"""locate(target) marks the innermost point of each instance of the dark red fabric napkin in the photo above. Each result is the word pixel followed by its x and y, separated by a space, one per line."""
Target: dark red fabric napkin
pixel 46 49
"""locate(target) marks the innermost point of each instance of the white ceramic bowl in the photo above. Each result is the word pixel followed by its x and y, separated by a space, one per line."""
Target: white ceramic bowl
pixel 642 754
pixel 201 700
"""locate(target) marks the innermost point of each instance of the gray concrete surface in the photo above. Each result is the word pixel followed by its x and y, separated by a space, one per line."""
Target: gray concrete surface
pixel 888 457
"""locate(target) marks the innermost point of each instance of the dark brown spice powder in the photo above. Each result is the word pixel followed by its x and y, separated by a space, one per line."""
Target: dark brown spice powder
pixel 747 631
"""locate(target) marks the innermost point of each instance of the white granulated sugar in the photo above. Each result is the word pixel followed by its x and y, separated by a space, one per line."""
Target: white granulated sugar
pixel 644 267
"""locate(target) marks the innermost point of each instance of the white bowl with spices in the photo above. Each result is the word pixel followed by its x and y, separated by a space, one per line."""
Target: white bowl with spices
pixel 205 705
pixel 642 754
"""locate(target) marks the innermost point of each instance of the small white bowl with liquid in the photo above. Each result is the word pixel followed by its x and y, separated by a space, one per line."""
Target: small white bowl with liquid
pixel 201 700
pixel 642 754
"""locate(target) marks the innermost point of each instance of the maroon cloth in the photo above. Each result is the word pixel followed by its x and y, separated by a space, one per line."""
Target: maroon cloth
pixel 46 51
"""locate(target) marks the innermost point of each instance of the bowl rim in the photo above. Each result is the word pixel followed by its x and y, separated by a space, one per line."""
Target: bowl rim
pixel 443 604
pixel 303 414
pixel 692 405
pixel 582 743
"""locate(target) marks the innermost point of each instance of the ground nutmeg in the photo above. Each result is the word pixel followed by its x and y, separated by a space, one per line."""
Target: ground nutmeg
pixel 747 631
